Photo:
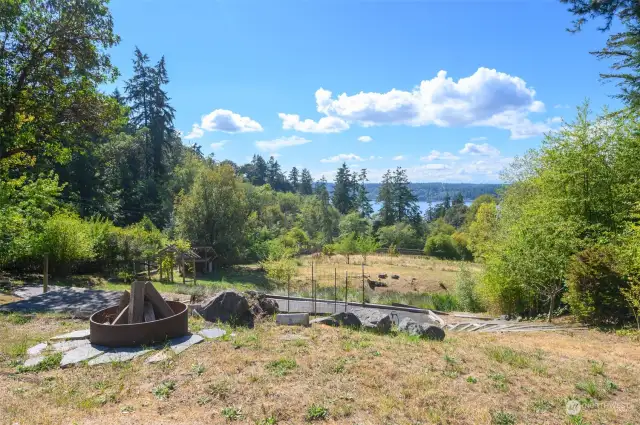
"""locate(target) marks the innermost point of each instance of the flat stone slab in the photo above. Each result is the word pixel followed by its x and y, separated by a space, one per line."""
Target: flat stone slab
pixel 61 347
pixel 33 361
pixel 158 357
pixel 37 349
pixel 178 345
pixel 119 355
pixel 212 333
pixel 82 353
pixel 78 302
pixel 291 319
pixel 82 334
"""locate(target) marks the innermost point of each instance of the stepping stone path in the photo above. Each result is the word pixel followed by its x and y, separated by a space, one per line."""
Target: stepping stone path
pixel 119 355
pixel 212 333
pixel 503 326
pixel 83 334
pixel 61 347
pixel 37 349
pixel 76 348
pixel 82 353
pixel 178 345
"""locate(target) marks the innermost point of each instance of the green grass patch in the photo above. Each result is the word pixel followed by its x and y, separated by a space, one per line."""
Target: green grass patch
pixel 316 413
pixel 49 362
pixel 591 388
pixel 18 319
pixel 502 418
pixel 164 389
pixel 508 356
pixel 231 413
pixel 281 367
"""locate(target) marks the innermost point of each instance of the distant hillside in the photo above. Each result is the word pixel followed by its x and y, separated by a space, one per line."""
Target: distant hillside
pixel 430 192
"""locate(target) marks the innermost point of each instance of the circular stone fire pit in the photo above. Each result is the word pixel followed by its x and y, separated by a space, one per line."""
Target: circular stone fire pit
pixel 145 333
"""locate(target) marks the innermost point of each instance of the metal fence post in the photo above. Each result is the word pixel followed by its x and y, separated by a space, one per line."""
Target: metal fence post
pixel 346 289
pixel 335 290
pixel 313 291
pixel 288 294
pixel 362 283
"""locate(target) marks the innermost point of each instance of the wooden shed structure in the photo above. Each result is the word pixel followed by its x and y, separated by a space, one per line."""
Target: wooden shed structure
pixel 181 258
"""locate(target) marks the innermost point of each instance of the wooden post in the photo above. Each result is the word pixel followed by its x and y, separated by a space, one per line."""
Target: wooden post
pixel 136 302
pixel 172 267
pixel 184 270
pixel 193 264
pixel 45 274
pixel 148 269
pixel 160 268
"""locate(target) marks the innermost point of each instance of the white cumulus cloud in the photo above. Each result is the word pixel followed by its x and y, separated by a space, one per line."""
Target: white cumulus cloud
pixel 196 132
pixel 437 155
pixel 343 157
pixel 484 149
pixel 486 98
pixel 324 125
pixel 399 158
pixel 225 121
pixel 365 139
pixel 283 142
pixel 218 146
pixel 478 139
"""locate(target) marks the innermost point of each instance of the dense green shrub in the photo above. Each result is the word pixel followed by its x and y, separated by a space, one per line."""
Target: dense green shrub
pixel 594 287
pixel 402 235
pixel 461 243
pixel 67 240
pixel 441 246
pixel 466 293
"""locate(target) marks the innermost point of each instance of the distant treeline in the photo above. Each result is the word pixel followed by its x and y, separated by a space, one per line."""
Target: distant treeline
pixel 436 192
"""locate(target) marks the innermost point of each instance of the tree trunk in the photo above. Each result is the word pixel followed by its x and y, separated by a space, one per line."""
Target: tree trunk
pixel 551 305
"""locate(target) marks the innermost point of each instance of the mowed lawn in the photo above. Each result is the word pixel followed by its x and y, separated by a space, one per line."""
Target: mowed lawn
pixel 272 374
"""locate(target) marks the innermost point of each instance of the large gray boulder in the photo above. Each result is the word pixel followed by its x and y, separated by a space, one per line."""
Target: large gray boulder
pixel 410 326
pixel 432 332
pixel 424 330
pixel 339 319
pixel 260 305
pixel 373 319
pixel 227 306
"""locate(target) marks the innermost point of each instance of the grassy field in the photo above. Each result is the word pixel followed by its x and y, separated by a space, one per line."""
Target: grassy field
pixel 416 274
pixel 272 374
pixel 423 282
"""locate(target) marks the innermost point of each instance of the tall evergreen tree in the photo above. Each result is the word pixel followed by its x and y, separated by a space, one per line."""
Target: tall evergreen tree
pixel 362 202
pixel 622 48
pixel 398 201
pixel 306 182
pixel 405 202
pixel 321 191
pixel 385 197
pixel 259 172
pixel 343 190
pixel 162 115
pixel 139 90
pixel 294 179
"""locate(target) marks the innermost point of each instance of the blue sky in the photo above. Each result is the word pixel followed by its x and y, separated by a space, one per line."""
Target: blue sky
pixel 450 90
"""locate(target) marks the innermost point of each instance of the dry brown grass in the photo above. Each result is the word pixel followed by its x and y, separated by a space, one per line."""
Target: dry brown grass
pixel 417 274
pixel 361 378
